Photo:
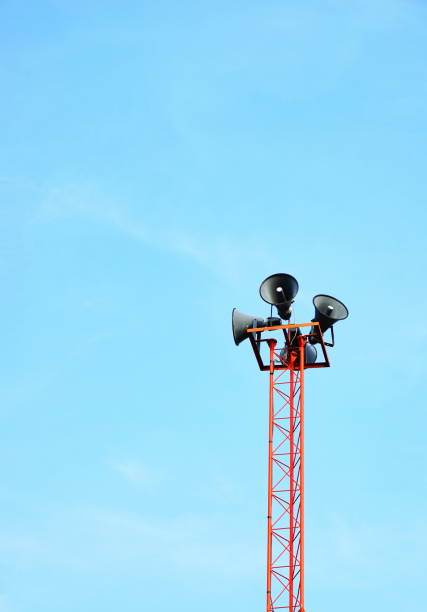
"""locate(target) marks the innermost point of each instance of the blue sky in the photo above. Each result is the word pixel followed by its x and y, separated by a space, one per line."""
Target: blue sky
pixel 160 160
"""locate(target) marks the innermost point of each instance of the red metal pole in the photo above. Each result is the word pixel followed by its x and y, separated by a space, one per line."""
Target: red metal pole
pixel 285 522
pixel 302 343
pixel 285 537
pixel 272 345
pixel 291 481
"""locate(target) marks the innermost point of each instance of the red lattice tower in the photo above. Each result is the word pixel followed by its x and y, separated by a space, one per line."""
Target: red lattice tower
pixel 285 516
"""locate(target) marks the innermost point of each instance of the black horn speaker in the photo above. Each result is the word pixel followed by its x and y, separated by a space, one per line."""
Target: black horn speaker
pixel 241 322
pixel 327 311
pixel 280 290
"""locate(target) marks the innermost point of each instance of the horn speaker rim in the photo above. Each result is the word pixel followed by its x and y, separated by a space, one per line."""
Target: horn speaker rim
pixel 236 341
pixel 288 298
pixel 329 316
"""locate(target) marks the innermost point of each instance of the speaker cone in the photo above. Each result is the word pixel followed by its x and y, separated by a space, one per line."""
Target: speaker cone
pixel 241 322
pixel 280 291
pixel 327 311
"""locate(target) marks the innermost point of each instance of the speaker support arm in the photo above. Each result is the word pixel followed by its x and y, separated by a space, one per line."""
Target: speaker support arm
pixel 333 338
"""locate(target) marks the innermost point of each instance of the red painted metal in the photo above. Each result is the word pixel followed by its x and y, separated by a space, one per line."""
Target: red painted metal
pixel 272 346
pixel 256 345
pixel 285 514
pixel 285 558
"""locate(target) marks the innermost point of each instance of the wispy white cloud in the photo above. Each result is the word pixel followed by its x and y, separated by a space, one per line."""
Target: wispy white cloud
pixel 223 490
pixel 221 254
pixel 101 540
pixel 217 546
pixel 359 555
pixel 5 605
pixel 135 473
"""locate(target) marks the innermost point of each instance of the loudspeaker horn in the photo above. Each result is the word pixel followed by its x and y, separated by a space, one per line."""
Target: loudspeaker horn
pixel 327 311
pixel 280 290
pixel 241 322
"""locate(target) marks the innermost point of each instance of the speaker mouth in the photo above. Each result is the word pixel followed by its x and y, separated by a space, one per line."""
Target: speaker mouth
pixel 330 307
pixel 241 322
pixel 236 338
pixel 278 289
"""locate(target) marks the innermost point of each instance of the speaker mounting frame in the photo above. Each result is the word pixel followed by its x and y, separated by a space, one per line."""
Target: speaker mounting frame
pixel 255 337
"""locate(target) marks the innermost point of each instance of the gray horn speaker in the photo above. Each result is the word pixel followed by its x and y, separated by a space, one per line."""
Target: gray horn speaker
pixel 241 322
pixel 280 290
pixel 310 351
pixel 310 355
pixel 327 311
